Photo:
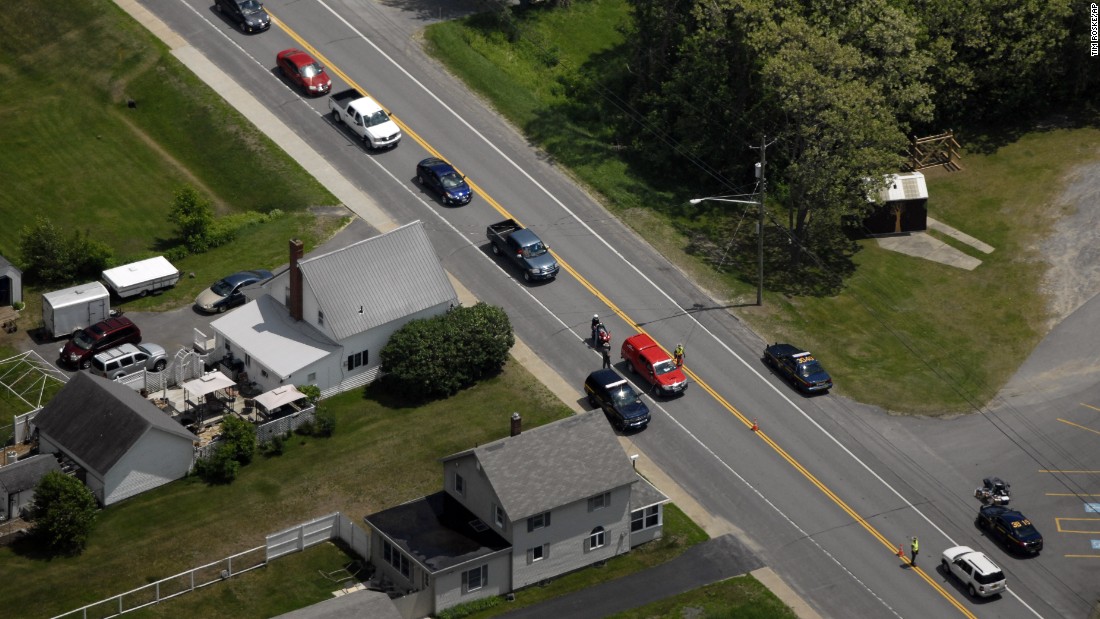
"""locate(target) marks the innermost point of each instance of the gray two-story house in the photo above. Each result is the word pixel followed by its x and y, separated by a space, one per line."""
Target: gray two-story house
pixel 516 512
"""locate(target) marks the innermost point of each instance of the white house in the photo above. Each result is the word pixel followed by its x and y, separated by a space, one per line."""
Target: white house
pixel 122 443
pixel 323 321
pixel 11 283
pixel 516 512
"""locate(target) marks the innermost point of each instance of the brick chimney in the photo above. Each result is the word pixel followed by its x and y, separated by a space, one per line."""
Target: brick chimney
pixel 517 424
pixel 296 253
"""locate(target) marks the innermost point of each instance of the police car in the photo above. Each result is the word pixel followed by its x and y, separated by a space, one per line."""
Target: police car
pixel 798 366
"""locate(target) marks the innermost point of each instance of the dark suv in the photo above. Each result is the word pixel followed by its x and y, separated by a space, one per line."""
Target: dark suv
pixel 1010 528
pixel 619 401
pixel 78 352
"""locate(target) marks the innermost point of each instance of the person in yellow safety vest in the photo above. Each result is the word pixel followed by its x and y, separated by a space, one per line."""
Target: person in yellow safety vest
pixel 678 355
pixel 914 548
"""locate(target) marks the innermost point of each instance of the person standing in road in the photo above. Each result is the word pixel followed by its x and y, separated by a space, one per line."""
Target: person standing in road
pixel 605 349
pixel 678 355
pixel 595 327
pixel 914 548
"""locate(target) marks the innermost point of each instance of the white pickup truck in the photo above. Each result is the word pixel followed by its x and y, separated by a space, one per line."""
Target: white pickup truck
pixel 365 118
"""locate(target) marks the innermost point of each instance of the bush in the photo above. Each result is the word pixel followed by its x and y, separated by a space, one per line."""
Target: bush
pixel 193 217
pixel 51 258
pixel 219 468
pixel 239 437
pixel 64 513
pixel 324 422
pixel 435 357
pixel 274 447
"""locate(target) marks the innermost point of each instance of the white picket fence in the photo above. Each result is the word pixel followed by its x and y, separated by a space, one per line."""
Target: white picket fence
pixel 287 541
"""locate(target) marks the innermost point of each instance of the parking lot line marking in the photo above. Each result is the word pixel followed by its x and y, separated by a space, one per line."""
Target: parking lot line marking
pixel 1068 472
pixel 1082 556
pixel 1058 522
pixel 1090 406
pixel 1077 425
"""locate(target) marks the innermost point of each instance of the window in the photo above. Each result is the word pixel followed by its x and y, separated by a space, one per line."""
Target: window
pixel 248 360
pixel 538 521
pixel 358 359
pixel 596 538
pixel 320 318
pixel 474 579
pixel 394 557
pixel 312 378
pixel 538 553
pixel 263 372
pixel 599 501
pixel 460 485
pixel 645 518
pixel 498 516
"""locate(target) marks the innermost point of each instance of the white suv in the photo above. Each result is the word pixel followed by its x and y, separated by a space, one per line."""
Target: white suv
pixel 981 576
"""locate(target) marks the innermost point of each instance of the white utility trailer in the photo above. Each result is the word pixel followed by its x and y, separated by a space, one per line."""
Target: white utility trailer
pixel 66 311
pixel 141 278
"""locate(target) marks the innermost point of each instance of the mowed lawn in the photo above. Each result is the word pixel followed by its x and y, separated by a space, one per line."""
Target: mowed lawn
pixel 905 334
pixel 75 152
pixel 383 453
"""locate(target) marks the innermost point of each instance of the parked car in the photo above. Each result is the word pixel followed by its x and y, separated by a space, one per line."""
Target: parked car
pixel 981 576
pixel 300 68
pixel 1011 528
pixel 646 359
pixel 798 366
pixel 226 292
pixel 78 352
pixel 444 180
pixel 129 358
pixel 622 405
pixel 249 14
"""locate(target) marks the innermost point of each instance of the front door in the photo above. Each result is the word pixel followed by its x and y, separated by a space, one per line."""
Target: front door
pixel 5 291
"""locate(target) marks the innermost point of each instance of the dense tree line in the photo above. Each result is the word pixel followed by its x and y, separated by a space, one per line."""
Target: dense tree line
pixel 837 88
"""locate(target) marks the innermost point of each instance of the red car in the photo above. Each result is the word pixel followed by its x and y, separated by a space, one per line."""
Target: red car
pixel 300 68
pixel 646 359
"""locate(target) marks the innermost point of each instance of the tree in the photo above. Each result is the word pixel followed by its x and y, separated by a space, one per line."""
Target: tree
pixel 239 437
pixel 51 258
pixel 46 255
pixel 64 513
pixel 193 217
pixel 435 357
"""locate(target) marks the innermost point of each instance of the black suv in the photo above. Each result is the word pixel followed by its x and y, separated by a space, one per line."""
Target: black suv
pixel 1010 528
pixel 619 401
pixel 249 14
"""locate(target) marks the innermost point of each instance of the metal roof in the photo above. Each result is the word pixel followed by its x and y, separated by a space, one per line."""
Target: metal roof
pixel 98 420
pixel 5 265
pixel 378 280
pixel 272 338
pixel 554 465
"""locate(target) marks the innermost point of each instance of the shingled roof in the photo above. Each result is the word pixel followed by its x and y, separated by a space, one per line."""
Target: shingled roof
pixel 554 465
pixel 24 474
pixel 98 420
pixel 378 280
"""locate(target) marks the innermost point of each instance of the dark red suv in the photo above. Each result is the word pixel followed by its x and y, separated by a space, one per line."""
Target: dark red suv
pixel 78 352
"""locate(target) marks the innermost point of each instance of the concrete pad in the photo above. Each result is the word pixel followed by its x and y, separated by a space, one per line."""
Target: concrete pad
pixel 921 245
pixel 959 235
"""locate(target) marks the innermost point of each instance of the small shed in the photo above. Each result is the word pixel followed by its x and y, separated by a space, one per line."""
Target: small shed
pixel 11 283
pixel 902 206
pixel 122 442
pixel 18 481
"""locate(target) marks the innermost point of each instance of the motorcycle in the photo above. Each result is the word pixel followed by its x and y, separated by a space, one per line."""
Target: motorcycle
pixel 993 491
pixel 602 337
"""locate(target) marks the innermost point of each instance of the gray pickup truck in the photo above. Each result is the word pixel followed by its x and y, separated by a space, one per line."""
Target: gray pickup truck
pixel 524 248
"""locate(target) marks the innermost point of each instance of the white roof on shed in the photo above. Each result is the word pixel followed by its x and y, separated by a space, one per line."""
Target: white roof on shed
pixel 278 342
pixel 902 187
pixel 83 292
pixel 138 272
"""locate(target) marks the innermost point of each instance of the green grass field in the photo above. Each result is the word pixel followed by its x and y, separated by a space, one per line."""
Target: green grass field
pixel 76 153
pixel 904 334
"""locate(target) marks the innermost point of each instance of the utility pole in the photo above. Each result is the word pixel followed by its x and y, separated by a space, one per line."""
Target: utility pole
pixel 760 174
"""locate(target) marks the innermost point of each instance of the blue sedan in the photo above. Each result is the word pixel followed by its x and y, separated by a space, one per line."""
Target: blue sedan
pixel 441 178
